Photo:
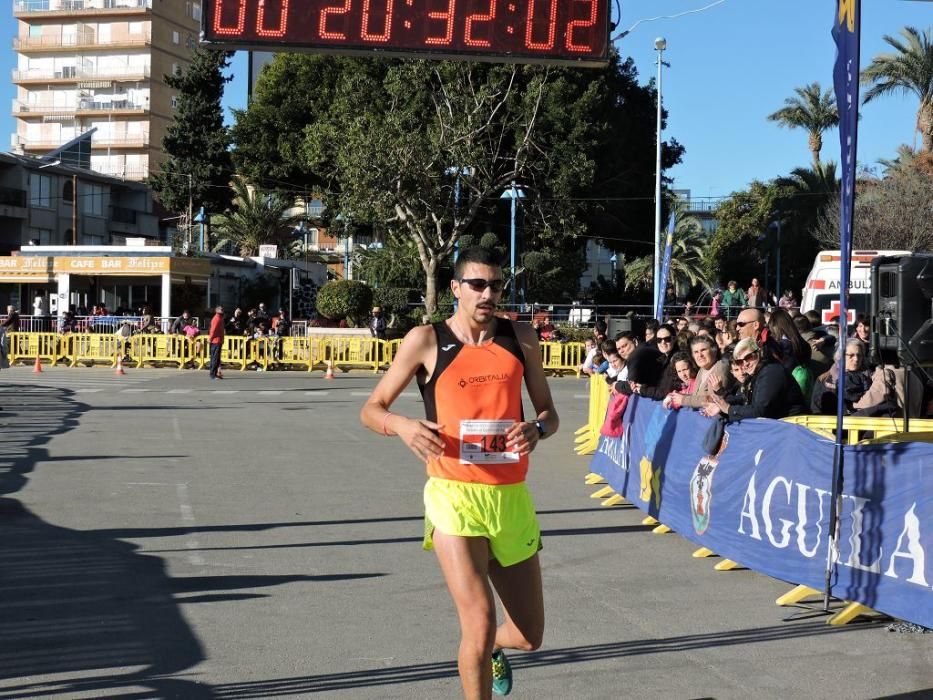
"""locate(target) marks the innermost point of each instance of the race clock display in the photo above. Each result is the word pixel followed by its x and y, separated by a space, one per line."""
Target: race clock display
pixel 528 31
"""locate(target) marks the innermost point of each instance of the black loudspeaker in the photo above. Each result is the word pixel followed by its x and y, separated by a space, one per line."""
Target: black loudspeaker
pixel 618 325
pixel 902 308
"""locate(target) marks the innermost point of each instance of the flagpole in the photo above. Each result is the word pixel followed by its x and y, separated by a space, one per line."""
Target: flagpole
pixel 846 32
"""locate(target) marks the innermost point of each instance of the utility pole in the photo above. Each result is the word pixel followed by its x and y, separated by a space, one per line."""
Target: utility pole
pixel 190 212
pixel 74 209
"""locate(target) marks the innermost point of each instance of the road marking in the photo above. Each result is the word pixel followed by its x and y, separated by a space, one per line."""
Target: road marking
pixel 187 515
pixel 225 391
pixel 359 393
pixel 178 391
pixel 316 393
pixel 269 393
pixel 134 391
pixel 86 391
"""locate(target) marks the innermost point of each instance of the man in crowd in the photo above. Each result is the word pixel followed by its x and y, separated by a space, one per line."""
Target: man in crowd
pixel 216 339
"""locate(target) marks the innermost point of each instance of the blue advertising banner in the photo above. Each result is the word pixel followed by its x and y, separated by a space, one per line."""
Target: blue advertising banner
pixel 665 269
pixel 763 501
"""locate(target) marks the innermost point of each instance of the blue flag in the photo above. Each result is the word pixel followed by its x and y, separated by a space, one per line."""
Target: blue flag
pixel 846 33
pixel 665 269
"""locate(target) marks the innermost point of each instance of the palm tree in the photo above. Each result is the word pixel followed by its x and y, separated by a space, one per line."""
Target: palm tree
pixel 819 181
pixel 688 255
pixel 257 218
pixel 813 110
pixel 908 70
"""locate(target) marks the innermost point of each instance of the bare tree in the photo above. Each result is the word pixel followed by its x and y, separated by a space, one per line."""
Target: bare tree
pixel 893 213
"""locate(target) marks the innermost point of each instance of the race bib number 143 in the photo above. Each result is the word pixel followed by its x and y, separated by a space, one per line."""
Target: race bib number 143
pixel 485 442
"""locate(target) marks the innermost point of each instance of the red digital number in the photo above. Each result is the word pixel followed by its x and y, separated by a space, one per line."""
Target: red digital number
pixel 325 13
pixel 219 28
pixel 477 17
pixel 583 24
pixel 448 17
pixel 551 28
pixel 261 18
pixel 386 29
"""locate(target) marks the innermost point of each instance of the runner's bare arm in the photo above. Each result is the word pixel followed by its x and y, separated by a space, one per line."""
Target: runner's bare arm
pixel 415 353
pixel 524 436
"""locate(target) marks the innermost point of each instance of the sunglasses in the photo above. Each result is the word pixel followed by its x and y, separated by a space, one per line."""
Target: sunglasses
pixel 747 358
pixel 741 324
pixel 478 284
pixel 664 338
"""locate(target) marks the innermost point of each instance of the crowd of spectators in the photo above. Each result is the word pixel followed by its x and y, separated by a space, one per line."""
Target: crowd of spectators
pixel 761 363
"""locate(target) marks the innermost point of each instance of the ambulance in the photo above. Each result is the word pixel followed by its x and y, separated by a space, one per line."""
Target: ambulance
pixel 821 291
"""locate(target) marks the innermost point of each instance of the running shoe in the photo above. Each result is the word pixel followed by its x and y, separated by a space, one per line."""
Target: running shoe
pixel 501 674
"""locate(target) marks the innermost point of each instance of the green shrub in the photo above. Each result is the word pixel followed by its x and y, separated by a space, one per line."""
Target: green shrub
pixel 396 299
pixel 347 299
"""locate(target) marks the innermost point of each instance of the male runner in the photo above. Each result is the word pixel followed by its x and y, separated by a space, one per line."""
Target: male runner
pixel 479 516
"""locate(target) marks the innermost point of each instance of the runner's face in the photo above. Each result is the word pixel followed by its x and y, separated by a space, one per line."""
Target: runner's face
pixel 480 306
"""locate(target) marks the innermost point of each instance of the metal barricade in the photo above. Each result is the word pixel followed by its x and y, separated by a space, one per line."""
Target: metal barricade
pixel 28 347
pixel 391 349
pixel 159 349
pixel 299 352
pixel 349 352
pixel 855 427
pixel 91 348
pixel 234 351
pixel 558 358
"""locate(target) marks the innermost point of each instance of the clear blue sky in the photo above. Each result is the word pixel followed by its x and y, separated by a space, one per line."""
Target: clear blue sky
pixel 731 66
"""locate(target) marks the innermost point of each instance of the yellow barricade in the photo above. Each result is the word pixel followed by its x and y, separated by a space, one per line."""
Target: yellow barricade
pixel 587 437
pixel 562 357
pixel 28 346
pixel 301 352
pixel 91 348
pixel 855 427
pixel 157 349
pixel 348 352
pixel 391 349
pixel 234 352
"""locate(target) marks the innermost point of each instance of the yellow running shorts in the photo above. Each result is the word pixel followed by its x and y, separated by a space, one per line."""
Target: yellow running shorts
pixel 502 513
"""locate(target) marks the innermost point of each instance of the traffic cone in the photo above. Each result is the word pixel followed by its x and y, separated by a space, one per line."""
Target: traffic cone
pixel 38 367
pixel 329 374
pixel 120 371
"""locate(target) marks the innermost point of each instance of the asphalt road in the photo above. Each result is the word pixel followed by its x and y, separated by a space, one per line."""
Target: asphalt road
pixel 162 535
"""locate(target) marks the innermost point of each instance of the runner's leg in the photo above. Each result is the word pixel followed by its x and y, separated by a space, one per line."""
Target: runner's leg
pixel 465 564
pixel 520 590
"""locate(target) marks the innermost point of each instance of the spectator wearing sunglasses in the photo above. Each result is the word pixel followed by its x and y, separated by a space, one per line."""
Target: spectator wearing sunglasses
pixel 751 324
pixel 768 391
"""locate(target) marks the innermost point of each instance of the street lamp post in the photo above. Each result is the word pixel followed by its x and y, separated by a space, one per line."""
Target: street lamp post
pixel 777 226
pixel 660 44
pixel 514 193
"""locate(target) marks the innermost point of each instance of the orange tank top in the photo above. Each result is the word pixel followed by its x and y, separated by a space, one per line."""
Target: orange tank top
pixel 475 392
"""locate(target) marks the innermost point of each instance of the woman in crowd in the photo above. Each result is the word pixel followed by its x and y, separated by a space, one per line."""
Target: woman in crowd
pixel 726 337
pixel 858 381
pixel 733 299
pixel 862 330
pixel 788 301
pixel 757 295
pixel 795 350
pixel 768 390
pixel 705 354
pixel 685 371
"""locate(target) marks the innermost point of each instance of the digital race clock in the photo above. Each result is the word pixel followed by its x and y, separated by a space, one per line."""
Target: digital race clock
pixel 528 31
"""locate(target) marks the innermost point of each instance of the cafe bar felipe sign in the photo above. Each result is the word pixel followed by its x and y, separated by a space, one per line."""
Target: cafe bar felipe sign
pixel 572 32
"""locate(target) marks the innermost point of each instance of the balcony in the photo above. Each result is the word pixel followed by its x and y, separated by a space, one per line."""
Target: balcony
pixel 88 106
pixel 134 173
pixel 125 74
pixel 98 143
pixel 40 8
pixel 60 42
pixel 11 197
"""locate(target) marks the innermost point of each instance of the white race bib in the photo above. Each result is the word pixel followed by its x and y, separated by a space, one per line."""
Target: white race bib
pixel 485 442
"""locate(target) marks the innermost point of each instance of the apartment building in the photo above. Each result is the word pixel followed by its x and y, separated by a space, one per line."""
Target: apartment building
pixel 100 64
